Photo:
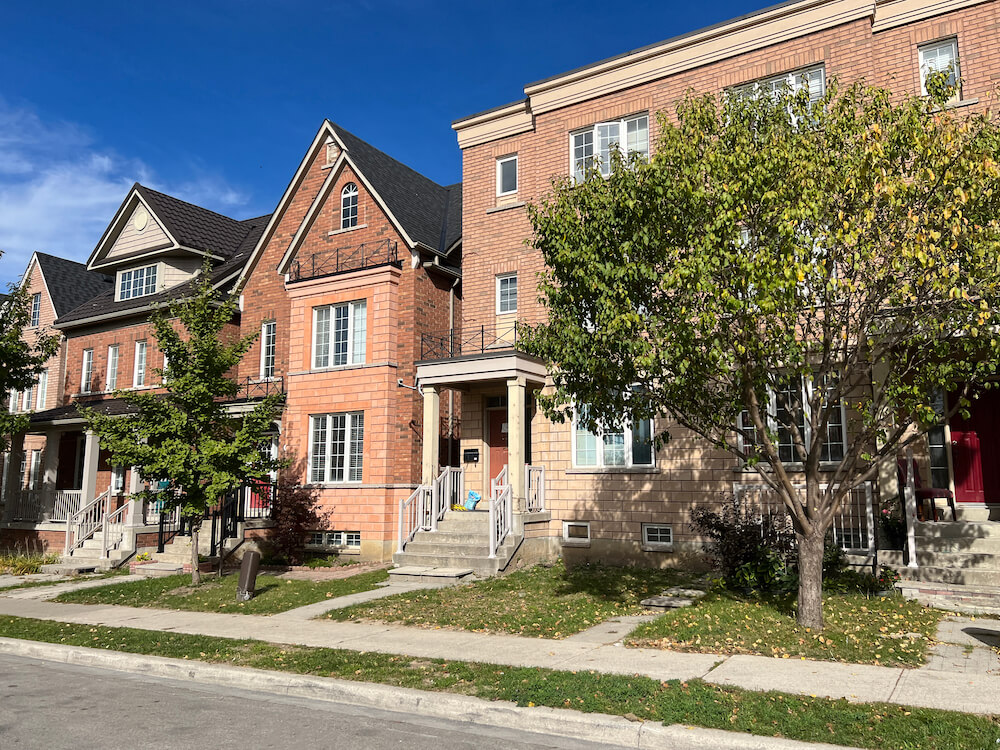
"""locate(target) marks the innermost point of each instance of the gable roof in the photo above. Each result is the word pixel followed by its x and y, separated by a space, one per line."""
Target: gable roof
pixel 426 214
pixel 193 226
pixel 104 305
pixel 69 283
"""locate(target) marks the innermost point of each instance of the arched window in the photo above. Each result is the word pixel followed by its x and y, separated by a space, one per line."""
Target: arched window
pixel 349 206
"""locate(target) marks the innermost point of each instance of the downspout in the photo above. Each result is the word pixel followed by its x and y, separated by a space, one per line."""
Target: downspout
pixel 451 391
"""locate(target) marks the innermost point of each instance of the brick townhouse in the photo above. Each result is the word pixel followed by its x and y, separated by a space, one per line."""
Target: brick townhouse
pixel 361 256
pixel 611 496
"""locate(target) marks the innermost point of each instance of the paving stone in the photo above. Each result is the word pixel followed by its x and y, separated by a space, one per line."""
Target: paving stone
pixel 666 602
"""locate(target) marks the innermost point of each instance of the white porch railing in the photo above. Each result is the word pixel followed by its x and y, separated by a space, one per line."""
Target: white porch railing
pixel 113 528
pixel 534 489
pixel 83 524
pixel 853 527
pixel 501 513
pixel 412 511
pixel 447 491
pixel 64 504
pixel 498 483
pixel 26 505
pixel 44 505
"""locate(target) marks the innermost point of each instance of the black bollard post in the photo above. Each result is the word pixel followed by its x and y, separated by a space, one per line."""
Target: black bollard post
pixel 248 576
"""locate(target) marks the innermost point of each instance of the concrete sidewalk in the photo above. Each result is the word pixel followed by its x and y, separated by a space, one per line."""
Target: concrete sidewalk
pixel 971 693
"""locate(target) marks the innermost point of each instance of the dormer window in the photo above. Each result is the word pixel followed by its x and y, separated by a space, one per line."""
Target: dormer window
pixel 137 282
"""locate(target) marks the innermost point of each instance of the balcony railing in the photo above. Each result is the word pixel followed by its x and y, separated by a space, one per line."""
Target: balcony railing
pixel 344 259
pixel 470 340
pixel 252 389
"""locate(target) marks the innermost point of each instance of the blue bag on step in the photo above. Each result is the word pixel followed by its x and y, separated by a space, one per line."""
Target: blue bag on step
pixel 474 498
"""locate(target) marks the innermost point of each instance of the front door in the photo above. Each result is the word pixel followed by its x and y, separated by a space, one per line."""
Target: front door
pixel 975 450
pixel 497 440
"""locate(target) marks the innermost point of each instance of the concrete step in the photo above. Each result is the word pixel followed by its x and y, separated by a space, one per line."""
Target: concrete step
pixel 482 566
pixel 95 542
pixel 158 569
pixel 433 576
pixel 447 549
pixel 936 559
pixel 957 530
pixel 961 598
pixel 455 520
pixel 935 574
pixel 70 567
pixel 86 553
pixel 989 545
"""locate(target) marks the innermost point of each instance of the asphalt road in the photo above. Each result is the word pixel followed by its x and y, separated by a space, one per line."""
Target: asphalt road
pixel 51 705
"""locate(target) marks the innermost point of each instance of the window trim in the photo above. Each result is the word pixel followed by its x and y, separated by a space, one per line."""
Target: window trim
pixel 139 373
pixel 657 546
pixel 595 149
pixel 268 330
pixel 951 41
pixel 87 371
pixel 627 436
pixel 42 390
pixel 501 193
pixel 347 193
pixel 500 277
pixel 350 424
pixel 341 546
pixel 568 541
pixel 353 356
pixel 36 309
pixel 111 375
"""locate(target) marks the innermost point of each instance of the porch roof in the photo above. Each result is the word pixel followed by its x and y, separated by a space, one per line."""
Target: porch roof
pixel 69 414
pixel 465 370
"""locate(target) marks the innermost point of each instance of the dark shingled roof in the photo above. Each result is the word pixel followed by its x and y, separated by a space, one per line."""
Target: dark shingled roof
pixel 430 213
pixel 193 226
pixel 104 304
pixel 112 407
pixel 70 284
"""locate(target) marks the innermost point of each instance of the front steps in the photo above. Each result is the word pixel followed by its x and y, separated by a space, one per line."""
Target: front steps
pixel 460 543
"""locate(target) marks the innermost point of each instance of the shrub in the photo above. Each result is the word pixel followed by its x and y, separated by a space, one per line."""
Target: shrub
pixel 295 515
pixel 750 546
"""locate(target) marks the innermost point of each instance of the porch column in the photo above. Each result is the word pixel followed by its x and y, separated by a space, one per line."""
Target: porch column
pixel 515 441
pixel 135 514
pixel 50 461
pixel 432 434
pixel 12 480
pixel 91 450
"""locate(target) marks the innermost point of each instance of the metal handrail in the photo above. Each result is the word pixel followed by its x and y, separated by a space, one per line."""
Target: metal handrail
pixel 345 259
pixel 501 514
pixel 470 340
pixel 411 514
pixel 499 482
pixel 254 388
pixel 86 522
pixel 114 530
pixel 534 488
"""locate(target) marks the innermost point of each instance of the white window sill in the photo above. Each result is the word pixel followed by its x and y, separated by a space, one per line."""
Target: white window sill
pixel 961 103
pixel 505 206
pixel 614 470
pixel 346 229
pixel 335 485
pixel 337 368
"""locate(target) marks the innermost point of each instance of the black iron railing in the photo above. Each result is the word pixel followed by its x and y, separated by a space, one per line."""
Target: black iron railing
pixel 470 340
pixel 344 259
pixel 251 501
pixel 254 388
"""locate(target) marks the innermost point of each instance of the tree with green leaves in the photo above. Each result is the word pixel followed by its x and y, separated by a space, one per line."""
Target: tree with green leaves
pixel 22 355
pixel 776 259
pixel 186 438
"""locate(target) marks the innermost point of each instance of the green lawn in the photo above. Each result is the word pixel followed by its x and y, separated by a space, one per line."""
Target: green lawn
pixel 74 579
pixel 872 725
pixel 175 592
pixel 548 602
pixel 858 629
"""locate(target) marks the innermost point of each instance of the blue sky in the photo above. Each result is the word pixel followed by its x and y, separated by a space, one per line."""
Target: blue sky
pixel 216 101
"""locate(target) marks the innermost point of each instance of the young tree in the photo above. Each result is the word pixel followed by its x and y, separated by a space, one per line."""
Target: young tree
pixel 22 357
pixel 777 258
pixel 186 436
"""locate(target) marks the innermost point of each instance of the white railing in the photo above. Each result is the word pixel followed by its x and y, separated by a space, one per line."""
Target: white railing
pixel 412 511
pixel 498 483
pixel 448 490
pixel 64 504
pixel 113 525
pixel 501 513
pixel 534 489
pixel 83 524
pixel 853 527
pixel 26 505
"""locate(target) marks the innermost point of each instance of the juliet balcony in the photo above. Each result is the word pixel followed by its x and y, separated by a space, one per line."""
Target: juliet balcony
pixel 344 260
pixel 471 340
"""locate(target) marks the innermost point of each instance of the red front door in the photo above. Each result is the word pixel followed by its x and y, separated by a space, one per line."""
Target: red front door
pixel 497 440
pixel 975 451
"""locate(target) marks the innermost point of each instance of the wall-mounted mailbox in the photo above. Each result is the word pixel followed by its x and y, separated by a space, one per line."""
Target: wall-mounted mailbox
pixel 470 456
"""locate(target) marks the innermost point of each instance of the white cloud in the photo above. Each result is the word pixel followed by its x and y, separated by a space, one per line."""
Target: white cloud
pixel 59 190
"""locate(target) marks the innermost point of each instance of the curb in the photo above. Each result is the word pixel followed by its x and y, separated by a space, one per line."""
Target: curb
pixel 542 720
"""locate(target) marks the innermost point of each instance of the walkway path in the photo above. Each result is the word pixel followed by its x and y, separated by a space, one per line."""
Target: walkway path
pixel 600 650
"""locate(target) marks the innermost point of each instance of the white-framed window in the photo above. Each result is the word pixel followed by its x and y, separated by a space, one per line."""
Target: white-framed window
pixel 36 464
pixel 507 175
pixel 349 206
pixel 813 79
pixel 576 533
pixel 336 447
pixel 36 309
pixel 342 539
pixel 506 293
pixel 657 536
pixel 137 282
pixel 628 446
pixel 13 401
pixel 111 376
pixel 139 365
pixel 43 390
pixel 630 135
pixel 165 368
pixel 87 371
pixel 268 342
pixel 937 57
pixel 27 398
pixel 339 333
pixel 790 405
pixel 117 479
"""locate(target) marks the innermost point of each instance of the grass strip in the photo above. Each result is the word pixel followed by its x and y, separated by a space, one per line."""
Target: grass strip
pixel 213 595
pixel 74 579
pixel 889 631
pixel 547 602
pixel 697 703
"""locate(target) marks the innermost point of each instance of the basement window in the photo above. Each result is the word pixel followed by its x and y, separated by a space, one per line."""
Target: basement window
pixel 657 537
pixel 576 534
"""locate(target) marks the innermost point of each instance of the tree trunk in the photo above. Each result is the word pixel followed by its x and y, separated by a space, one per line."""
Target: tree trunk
pixel 195 563
pixel 810 613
